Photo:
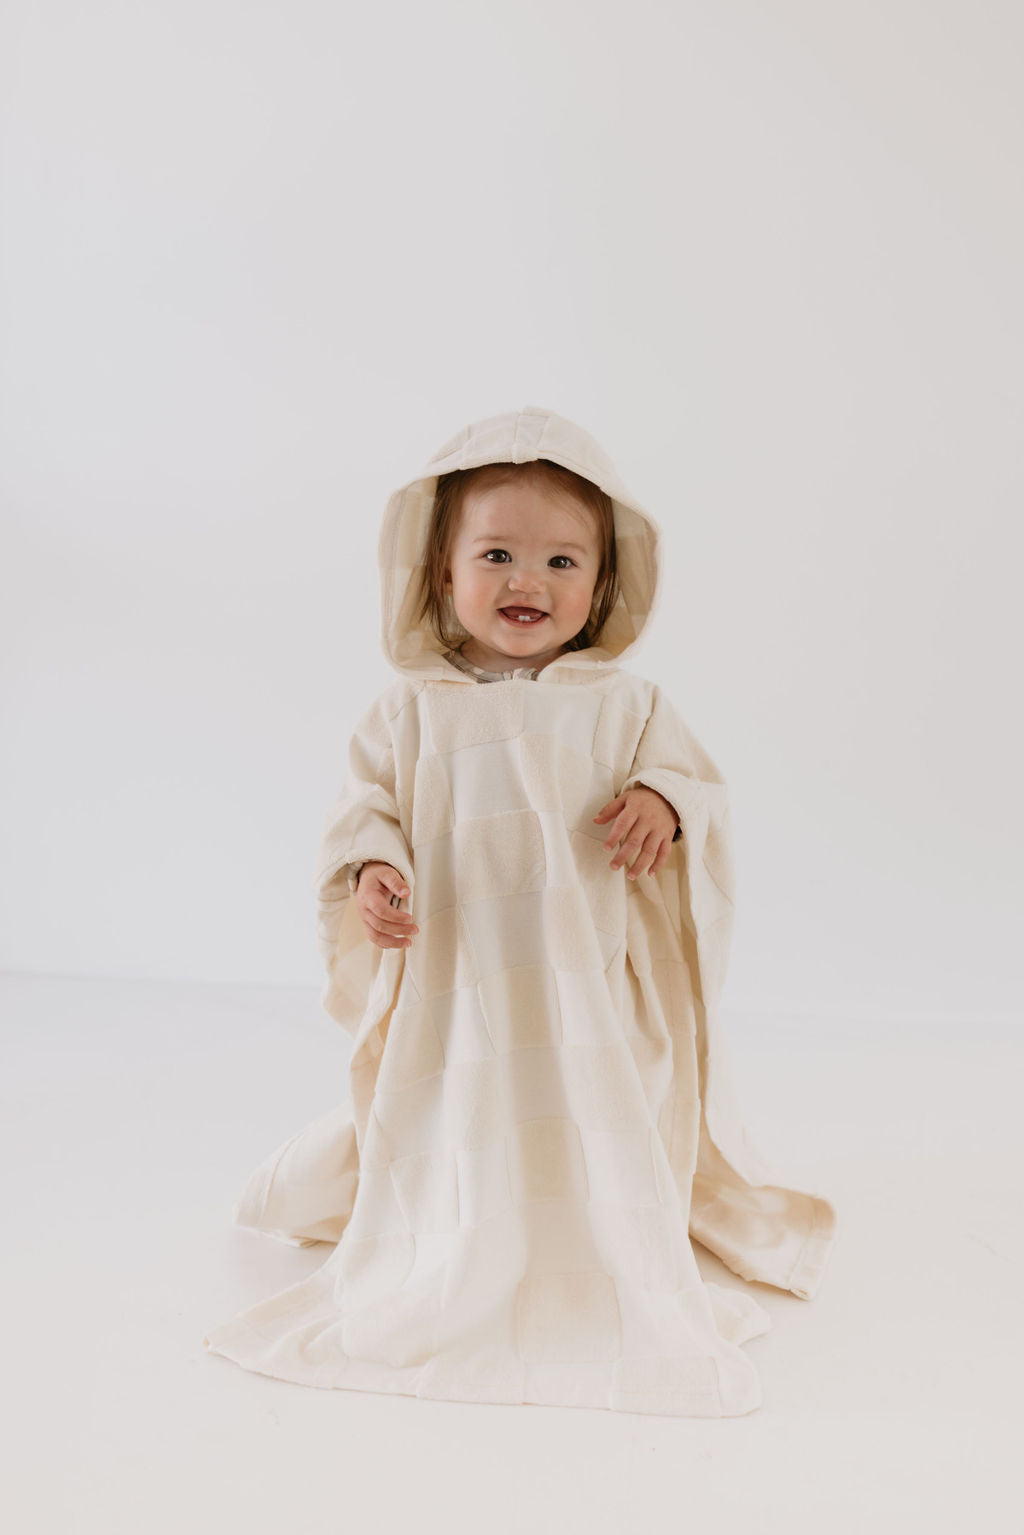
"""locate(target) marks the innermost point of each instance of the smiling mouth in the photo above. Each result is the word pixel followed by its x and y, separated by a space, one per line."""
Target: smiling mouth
pixel 521 615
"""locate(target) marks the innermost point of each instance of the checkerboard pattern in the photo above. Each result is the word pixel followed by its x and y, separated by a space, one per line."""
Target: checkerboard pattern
pixel 540 1110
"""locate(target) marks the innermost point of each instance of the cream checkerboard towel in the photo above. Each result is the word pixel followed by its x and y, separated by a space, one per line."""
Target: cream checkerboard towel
pixel 540 1111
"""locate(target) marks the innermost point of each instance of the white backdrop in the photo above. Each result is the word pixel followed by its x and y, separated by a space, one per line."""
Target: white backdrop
pixel 260 261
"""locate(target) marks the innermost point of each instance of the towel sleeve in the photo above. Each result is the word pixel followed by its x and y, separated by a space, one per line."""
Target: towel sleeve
pixel 762 1226
pixel 670 759
pixel 363 824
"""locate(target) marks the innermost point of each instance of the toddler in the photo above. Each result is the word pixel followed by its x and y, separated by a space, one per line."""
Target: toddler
pixel 525 898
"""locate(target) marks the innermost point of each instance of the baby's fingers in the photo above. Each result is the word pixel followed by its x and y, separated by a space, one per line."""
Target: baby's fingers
pixel 612 808
pixel 646 859
pixel 388 927
pixel 388 938
pixel 397 925
pixel 662 859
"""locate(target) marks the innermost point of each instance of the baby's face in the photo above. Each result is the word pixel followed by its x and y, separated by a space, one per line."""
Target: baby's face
pixel 521 545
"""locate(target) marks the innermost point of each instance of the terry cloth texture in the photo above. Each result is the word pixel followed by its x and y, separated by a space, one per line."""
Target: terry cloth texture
pixel 457 659
pixel 540 1113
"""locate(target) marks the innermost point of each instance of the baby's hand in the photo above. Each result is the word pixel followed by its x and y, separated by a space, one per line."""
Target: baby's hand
pixel 647 822
pixel 385 925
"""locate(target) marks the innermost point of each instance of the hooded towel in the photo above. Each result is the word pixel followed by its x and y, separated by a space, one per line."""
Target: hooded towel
pixel 540 1110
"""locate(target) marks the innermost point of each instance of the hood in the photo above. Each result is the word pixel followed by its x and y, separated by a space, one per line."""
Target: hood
pixel 411 647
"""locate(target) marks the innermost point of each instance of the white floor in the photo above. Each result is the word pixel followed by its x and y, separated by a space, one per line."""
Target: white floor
pixel 134 1111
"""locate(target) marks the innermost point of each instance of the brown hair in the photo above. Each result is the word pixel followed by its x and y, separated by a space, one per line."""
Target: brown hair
pixel 449 497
